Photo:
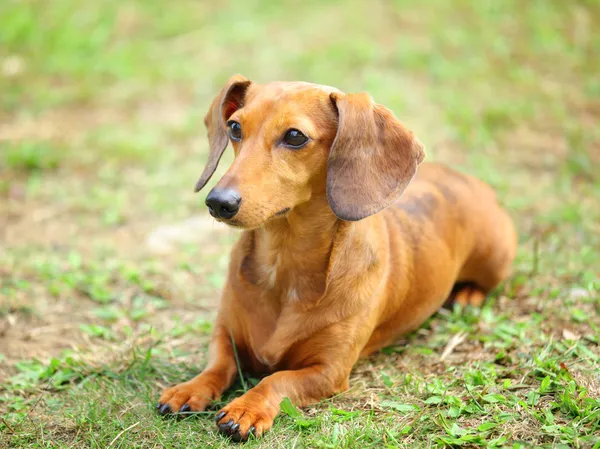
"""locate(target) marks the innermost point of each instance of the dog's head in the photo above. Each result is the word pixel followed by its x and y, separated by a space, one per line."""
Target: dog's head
pixel 294 141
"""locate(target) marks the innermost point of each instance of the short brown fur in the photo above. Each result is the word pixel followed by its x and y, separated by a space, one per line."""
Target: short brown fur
pixel 344 248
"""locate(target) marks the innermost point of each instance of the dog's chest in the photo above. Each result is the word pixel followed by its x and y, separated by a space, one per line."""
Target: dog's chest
pixel 274 279
pixel 262 318
pixel 277 283
pixel 266 302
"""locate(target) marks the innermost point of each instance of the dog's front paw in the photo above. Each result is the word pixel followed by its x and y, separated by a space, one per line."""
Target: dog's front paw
pixel 192 396
pixel 247 415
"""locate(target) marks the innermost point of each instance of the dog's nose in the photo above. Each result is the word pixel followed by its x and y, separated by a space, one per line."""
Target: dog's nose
pixel 223 203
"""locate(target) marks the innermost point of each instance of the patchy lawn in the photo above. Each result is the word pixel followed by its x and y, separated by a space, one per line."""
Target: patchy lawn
pixel 110 267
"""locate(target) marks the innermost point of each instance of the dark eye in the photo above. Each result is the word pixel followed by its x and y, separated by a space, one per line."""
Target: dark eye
pixel 294 138
pixel 235 130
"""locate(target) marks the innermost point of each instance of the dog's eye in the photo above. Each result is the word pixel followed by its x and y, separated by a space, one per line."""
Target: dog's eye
pixel 294 138
pixel 235 130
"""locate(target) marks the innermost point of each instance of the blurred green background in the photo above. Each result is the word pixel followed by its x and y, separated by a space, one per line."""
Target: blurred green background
pixel 110 267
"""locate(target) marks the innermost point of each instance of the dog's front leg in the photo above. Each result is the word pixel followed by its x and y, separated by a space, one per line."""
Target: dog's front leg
pixel 321 368
pixel 199 392
pixel 255 411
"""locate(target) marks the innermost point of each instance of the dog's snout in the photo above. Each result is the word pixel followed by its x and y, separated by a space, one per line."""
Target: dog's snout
pixel 223 203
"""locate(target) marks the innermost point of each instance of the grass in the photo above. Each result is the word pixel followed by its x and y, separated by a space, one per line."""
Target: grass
pixel 108 287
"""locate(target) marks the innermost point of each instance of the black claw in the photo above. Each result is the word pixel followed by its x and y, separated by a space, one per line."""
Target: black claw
pixel 237 437
pixel 219 416
pixel 185 408
pixel 251 431
pixel 164 409
pixel 225 427
pixel 234 428
pixel 159 405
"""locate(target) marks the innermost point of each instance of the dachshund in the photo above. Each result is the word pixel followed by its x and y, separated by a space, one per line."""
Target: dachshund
pixel 345 246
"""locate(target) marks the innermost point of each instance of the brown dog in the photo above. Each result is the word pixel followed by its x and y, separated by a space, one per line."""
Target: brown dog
pixel 325 271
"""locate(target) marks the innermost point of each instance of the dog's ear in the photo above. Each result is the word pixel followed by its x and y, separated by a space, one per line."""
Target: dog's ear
pixel 372 159
pixel 230 99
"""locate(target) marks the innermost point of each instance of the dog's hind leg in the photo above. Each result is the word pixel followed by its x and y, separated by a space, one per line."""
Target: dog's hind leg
pixel 466 294
pixel 490 261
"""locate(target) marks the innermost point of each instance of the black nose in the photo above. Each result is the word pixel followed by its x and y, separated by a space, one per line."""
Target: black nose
pixel 223 203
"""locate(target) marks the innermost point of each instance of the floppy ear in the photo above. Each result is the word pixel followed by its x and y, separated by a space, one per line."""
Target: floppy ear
pixel 229 100
pixel 372 159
